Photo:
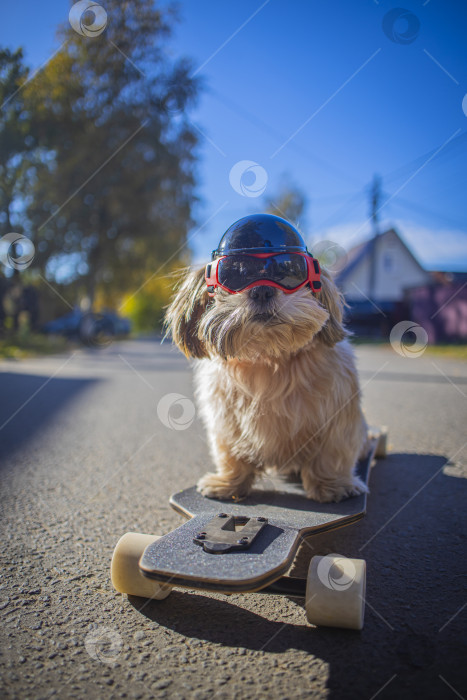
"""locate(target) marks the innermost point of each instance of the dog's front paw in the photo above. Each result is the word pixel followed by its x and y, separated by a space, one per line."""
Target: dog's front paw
pixel 326 492
pixel 355 487
pixel 213 485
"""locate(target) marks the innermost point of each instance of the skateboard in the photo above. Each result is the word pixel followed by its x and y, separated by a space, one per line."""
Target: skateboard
pixel 250 545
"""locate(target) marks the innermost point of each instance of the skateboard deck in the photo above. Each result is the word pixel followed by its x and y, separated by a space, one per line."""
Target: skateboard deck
pixel 244 546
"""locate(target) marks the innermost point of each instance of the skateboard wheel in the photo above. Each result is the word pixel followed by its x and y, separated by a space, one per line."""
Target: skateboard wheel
pixel 125 573
pixel 382 446
pixel 335 592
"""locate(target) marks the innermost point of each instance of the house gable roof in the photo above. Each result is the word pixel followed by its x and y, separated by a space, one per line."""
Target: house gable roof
pixel 358 253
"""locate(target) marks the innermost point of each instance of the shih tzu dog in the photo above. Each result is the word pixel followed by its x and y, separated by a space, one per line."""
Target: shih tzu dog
pixel 276 381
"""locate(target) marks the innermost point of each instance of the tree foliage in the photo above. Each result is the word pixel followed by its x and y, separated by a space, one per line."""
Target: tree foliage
pixel 289 202
pixel 18 138
pixel 111 201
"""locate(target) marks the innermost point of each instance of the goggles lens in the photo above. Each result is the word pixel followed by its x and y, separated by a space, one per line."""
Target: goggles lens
pixel 235 272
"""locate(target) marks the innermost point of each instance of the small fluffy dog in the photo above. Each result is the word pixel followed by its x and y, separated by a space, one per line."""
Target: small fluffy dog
pixel 276 385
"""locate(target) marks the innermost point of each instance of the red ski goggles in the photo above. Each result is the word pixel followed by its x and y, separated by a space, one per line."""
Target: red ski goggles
pixel 238 272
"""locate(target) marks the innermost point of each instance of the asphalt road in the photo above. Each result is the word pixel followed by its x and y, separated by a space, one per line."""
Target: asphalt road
pixel 85 457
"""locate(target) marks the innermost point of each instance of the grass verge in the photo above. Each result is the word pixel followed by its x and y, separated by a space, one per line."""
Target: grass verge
pixel 17 346
pixel 455 351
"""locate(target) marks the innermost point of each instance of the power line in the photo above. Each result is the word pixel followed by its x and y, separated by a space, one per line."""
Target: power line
pixel 267 128
pixel 451 149
pixel 349 205
pixel 352 201
pixel 429 212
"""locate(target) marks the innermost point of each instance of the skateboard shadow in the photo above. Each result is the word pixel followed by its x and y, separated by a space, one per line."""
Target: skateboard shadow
pixel 200 616
pixel 404 499
pixel 412 539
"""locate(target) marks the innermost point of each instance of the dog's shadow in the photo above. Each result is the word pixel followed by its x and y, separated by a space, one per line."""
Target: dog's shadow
pixel 408 539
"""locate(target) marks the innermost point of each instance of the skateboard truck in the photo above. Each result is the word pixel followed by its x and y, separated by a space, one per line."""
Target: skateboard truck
pixel 220 535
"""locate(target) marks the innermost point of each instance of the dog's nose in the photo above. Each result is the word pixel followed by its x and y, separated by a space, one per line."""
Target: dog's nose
pixel 262 293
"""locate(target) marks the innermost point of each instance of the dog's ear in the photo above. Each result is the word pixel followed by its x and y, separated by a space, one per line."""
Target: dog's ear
pixel 185 311
pixel 332 300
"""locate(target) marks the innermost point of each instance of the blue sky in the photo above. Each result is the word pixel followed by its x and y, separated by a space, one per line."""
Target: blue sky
pixel 317 92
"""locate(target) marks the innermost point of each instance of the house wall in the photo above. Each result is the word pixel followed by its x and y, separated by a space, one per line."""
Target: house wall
pixel 395 271
pixel 441 310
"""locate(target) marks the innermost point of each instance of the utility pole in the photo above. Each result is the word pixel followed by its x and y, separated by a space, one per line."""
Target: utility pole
pixel 375 203
pixel 375 206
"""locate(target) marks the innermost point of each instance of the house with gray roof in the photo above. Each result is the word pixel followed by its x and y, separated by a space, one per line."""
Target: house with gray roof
pixel 384 283
pixel 380 270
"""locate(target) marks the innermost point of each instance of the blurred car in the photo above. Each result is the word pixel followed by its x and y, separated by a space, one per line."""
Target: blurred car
pixel 94 329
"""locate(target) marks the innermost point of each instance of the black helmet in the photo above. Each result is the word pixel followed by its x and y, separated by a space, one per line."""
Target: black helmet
pixel 260 233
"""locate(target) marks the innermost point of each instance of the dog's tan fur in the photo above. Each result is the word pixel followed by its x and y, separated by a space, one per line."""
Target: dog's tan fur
pixel 276 386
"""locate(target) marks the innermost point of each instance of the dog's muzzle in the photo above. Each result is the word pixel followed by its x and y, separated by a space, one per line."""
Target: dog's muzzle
pixel 262 294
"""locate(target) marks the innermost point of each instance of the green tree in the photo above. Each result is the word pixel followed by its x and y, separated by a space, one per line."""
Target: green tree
pixel 289 202
pixel 18 140
pixel 114 201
